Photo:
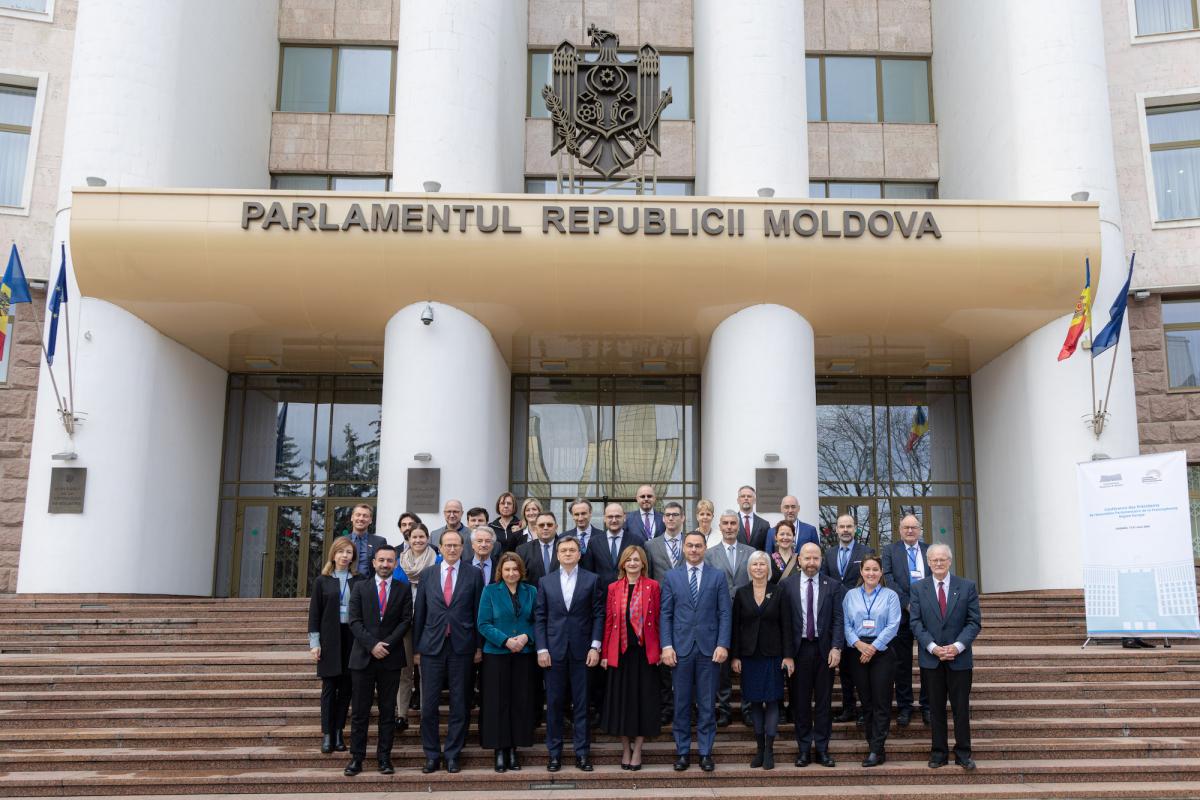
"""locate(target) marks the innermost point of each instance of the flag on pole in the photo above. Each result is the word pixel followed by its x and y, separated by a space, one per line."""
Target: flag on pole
pixel 920 427
pixel 58 298
pixel 1083 307
pixel 13 289
pixel 1110 334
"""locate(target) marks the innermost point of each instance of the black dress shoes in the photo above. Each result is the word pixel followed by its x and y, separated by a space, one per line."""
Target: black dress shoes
pixel 860 720
pixel 803 759
pixel 681 763
pixel 966 763
pixel 353 768
pixel 512 761
pixel 401 723
pixel 553 765
pixel 724 720
pixel 326 744
pixel 666 717
pixel 501 761
pixel 925 716
pixel 1135 643
pixel 339 742
pixel 937 763
pixel 874 760
pixel 431 765
pixel 452 765
pixel 826 760
pixel 847 715
pixel 904 717
pixel 385 766
pixel 583 763
pixel 707 764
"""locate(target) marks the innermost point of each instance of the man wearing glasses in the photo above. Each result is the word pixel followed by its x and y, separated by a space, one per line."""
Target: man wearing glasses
pixel 904 563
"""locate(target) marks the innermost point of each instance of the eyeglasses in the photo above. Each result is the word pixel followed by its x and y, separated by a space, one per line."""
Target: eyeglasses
pixel 672 514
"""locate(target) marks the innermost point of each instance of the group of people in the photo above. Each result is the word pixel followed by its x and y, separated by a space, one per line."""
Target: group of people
pixel 634 627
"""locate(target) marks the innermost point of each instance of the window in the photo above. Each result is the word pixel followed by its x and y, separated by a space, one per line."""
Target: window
pixel 1174 134
pixel 866 89
pixel 17 107
pixel 675 72
pixel 597 186
pixel 1181 330
pixel 337 183
pixel 1166 16
pixel 346 80
pixel 35 9
pixel 872 190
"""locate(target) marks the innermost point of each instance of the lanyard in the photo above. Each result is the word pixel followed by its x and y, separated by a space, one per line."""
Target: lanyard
pixel 342 589
pixel 871 605
pixel 912 558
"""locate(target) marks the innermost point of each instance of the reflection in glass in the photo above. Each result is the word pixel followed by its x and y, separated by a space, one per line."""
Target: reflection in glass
pixel 289 537
pixel 675 73
pixel 812 88
pixel 905 90
pixel 850 191
pixel 300 182
pixel 540 74
pixel 850 89
pixel 910 191
pixel 306 75
pixel 253 551
pixel 364 83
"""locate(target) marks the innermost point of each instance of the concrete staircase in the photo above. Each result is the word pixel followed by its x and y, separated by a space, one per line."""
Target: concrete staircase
pixel 113 695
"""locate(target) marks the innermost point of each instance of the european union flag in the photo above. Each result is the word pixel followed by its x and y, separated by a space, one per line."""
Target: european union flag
pixel 57 299
pixel 1110 334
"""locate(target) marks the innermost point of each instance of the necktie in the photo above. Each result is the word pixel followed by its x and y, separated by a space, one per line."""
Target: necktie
pixel 942 598
pixel 673 546
pixel 546 558
pixel 613 542
pixel 382 597
pixel 647 525
pixel 912 558
pixel 583 541
pixel 694 584
pixel 810 616
pixel 732 553
pixel 746 517
pixel 481 565
pixel 448 591
pixel 843 559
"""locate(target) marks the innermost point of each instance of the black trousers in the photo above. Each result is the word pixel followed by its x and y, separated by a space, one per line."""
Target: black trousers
pixel 666 689
pixel 847 679
pixel 367 683
pixel 944 683
pixel 336 690
pixel 874 683
pixel 902 644
pixel 454 671
pixel 812 696
pixel 567 678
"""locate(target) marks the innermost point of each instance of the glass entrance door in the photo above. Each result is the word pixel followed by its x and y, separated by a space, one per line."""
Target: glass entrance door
pixel 271 544
pixel 941 523
pixel 329 519
pixel 864 520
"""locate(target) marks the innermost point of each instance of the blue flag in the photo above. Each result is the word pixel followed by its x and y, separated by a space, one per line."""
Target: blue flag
pixel 58 298
pixel 1110 334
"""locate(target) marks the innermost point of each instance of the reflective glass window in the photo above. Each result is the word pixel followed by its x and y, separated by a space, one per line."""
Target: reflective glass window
pixel 910 191
pixel 847 190
pixel 364 80
pixel 17 105
pixel 350 183
pixel 1174 133
pixel 905 90
pixel 300 182
pixel 850 89
pixel 1165 16
pixel 307 72
pixel 812 88
pixel 675 71
pixel 37 6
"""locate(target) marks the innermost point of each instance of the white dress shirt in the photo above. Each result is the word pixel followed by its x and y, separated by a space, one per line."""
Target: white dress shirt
pixel 567 581
pixel 454 580
pixel 945 584
pixel 816 584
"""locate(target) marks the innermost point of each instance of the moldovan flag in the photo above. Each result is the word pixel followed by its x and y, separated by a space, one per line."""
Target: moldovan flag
pixel 13 289
pixel 1083 307
pixel 920 427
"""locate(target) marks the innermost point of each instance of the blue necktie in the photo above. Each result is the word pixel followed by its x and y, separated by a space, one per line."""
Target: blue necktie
pixel 613 542
pixel 673 544
pixel 843 557
pixel 695 585
pixel 912 559
pixel 546 558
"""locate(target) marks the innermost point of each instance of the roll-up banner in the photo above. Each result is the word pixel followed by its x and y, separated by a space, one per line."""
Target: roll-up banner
pixel 1139 577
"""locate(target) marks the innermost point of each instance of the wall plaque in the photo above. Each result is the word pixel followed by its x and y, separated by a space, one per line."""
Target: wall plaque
pixel 66 489
pixel 771 487
pixel 424 489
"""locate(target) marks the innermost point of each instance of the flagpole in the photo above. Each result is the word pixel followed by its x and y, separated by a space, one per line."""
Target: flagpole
pixel 1091 361
pixel 50 369
pixel 70 370
pixel 1117 346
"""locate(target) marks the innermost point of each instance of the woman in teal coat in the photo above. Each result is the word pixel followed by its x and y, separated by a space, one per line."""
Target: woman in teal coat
pixel 508 712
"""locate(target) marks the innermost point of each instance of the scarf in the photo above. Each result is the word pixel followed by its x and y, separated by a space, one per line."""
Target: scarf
pixel 412 564
pixel 636 611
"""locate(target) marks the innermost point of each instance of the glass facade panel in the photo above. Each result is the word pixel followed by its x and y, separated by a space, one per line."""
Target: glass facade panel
pixel 364 80
pixel 1183 358
pixel 540 74
pixel 37 6
pixel 852 191
pixel 307 72
pixel 300 182
pixel 910 191
pixel 345 183
pixel 812 88
pixel 850 94
pixel 16 105
pixel 1164 16
pixel 1181 312
pixel 675 72
pixel 1177 182
pixel 16 115
pixel 905 90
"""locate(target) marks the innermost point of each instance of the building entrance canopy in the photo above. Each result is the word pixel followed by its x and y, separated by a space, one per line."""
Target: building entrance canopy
pixel 602 283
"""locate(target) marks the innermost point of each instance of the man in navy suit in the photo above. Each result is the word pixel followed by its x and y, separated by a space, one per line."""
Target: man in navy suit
pixel 540 555
pixel 945 621
pixel 805 533
pixel 905 563
pixel 447 644
pixel 645 522
pixel 568 622
pixel 696 626
pixel 841 562
pixel 601 558
pixel 584 530
pixel 815 602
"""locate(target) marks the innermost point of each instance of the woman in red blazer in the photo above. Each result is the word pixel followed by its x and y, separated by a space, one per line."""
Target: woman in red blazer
pixel 630 653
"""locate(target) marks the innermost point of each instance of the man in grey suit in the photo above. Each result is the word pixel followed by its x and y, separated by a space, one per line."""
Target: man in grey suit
pixel 945 621
pixel 731 557
pixel 665 553
pixel 452 512
pixel 905 563
pixel 365 542
pixel 601 558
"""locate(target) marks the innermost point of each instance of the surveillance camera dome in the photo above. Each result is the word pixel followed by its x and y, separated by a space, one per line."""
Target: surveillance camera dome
pixel 427 315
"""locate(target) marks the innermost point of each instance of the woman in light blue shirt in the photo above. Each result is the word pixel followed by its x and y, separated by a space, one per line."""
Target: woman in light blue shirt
pixel 871 614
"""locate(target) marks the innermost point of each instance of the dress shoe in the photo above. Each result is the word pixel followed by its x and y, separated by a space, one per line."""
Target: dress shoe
pixel 860 720
pixel 681 763
pixel 512 761
pixel 401 723
pixel 431 765
pixel 634 767
pixel 803 759
pixel 966 763
pixel 339 742
pixel 925 716
pixel 724 720
pixel 874 760
pixel 825 760
pixel 937 763
pixel 452 765
pixel 624 765
pixel 769 754
pixel 707 764
pixel 501 761
pixel 583 763
pixel 757 761
pixel 1143 643
pixel 415 702
pixel 353 768
pixel 385 766
pixel 665 718
pixel 553 765
pixel 847 715
pixel 326 744
pixel 904 717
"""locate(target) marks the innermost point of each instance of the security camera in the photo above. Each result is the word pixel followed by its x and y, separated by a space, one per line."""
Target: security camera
pixel 427 315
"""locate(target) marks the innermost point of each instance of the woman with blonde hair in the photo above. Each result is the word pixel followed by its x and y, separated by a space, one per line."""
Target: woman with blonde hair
pixel 530 510
pixel 706 512
pixel 329 638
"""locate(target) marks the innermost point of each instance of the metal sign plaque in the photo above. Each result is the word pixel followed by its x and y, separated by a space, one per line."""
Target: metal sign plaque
pixel 424 489
pixel 771 487
pixel 605 111
pixel 66 489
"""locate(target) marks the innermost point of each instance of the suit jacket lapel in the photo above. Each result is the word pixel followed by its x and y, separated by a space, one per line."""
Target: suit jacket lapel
pixel 951 595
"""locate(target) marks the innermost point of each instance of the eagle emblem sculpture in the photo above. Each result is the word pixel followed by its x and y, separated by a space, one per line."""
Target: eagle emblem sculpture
pixel 605 111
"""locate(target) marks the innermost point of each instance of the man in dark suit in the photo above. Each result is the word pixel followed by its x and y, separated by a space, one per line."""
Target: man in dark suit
pixel 805 533
pixel 645 522
pixel 904 563
pixel 540 555
pixel 945 621
pixel 584 530
pixel 731 557
pixel 381 612
pixel 365 542
pixel 447 644
pixel 483 555
pixel 752 529
pixel 816 612
pixel 696 624
pixel 841 563
pixel 568 622
pixel 664 553
pixel 601 557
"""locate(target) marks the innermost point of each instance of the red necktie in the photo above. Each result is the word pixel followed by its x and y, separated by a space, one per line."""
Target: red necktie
pixel 942 598
pixel 448 592
pixel 747 518
pixel 382 597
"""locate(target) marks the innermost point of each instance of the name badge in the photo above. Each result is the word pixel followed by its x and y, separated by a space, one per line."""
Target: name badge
pixel 868 624
pixel 915 574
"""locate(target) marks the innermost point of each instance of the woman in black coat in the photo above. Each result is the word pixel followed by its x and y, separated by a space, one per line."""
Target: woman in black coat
pixel 329 638
pixel 761 648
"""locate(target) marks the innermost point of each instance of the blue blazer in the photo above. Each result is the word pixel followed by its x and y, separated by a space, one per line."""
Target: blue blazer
pixel 895 569
pixel 569 633
pixel 498 623
pixel 961 623
pixel 805 533
pixel 705 624
pixel 633 524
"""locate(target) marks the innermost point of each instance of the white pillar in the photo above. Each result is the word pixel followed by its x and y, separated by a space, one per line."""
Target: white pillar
pixel 446 392
pixel 758 396
pixel 1040 132
pixel 751 121
pixel 460 95
pixel 145 78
